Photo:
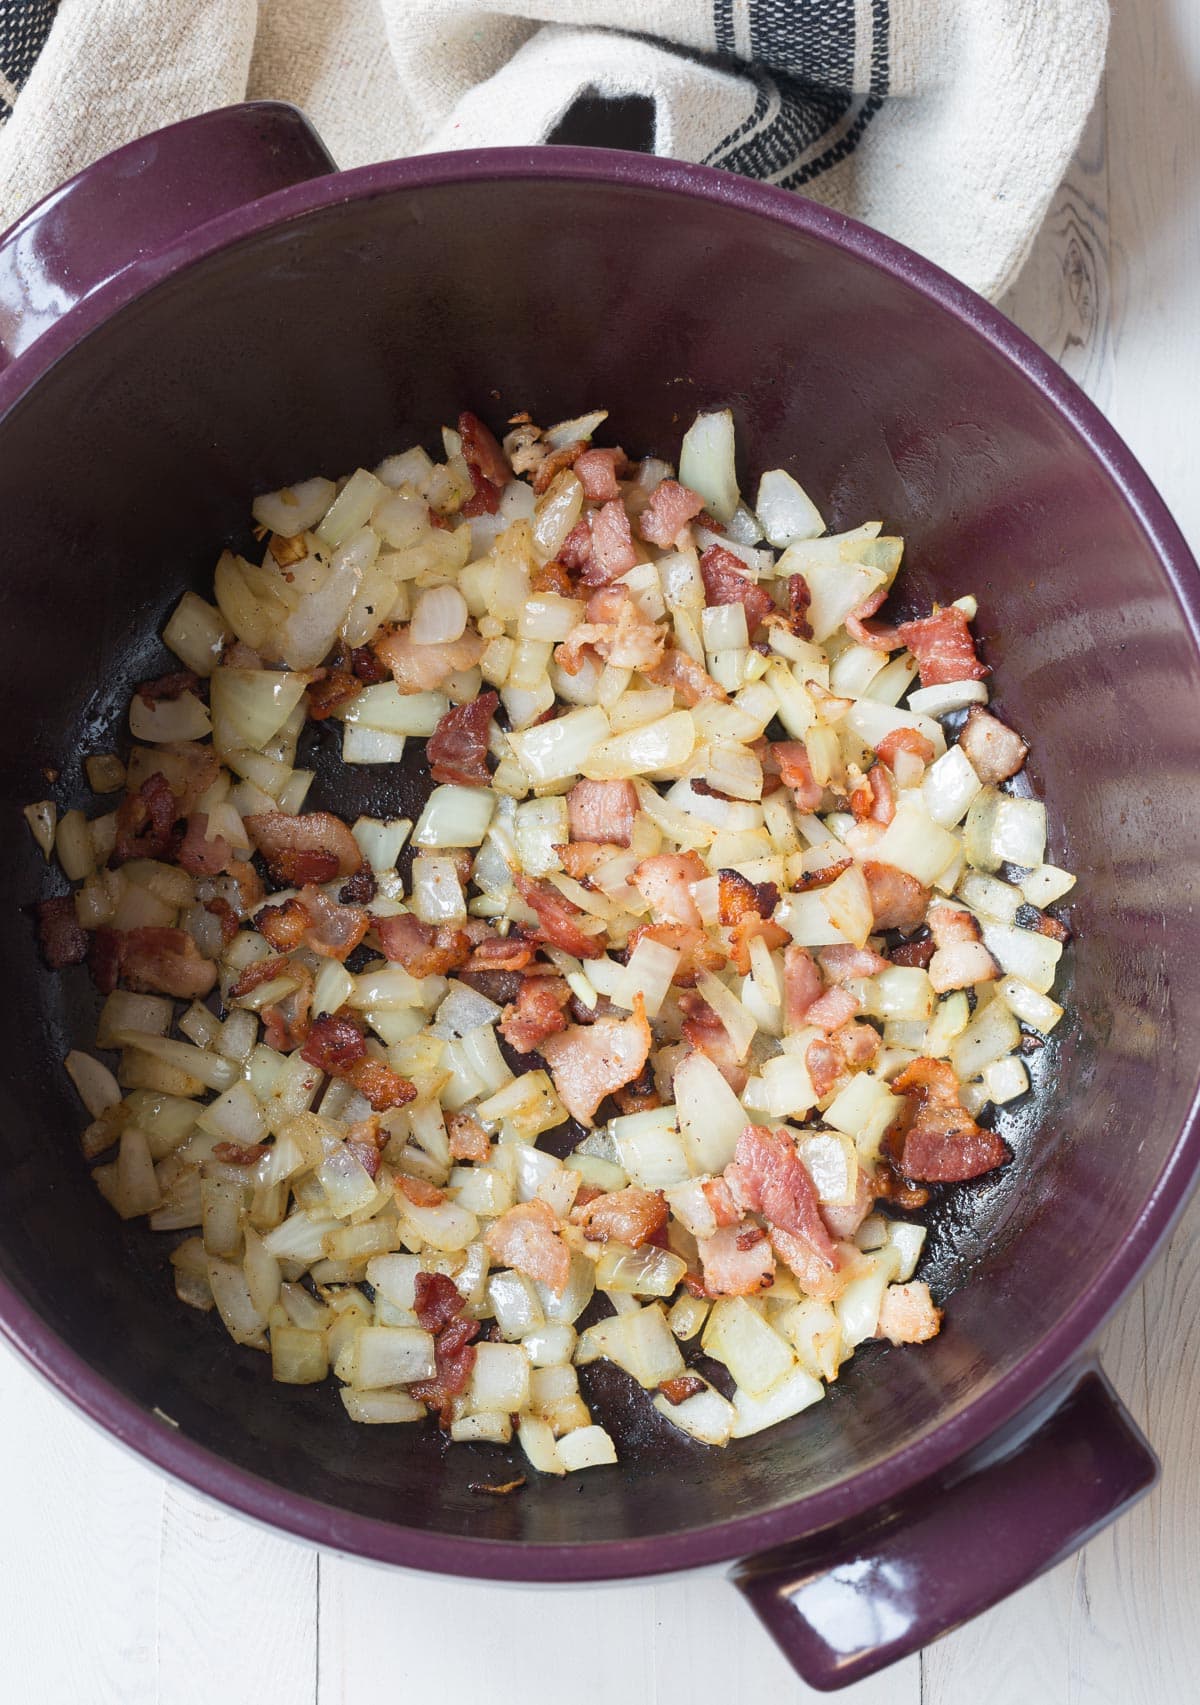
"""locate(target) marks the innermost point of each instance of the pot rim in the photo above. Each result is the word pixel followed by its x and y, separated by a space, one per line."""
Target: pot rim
pixel 980 1418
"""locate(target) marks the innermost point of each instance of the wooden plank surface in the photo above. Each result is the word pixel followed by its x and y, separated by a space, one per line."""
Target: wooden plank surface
pixel 122 1590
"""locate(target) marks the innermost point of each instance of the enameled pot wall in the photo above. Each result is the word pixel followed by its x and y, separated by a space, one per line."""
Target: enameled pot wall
pixel 181 331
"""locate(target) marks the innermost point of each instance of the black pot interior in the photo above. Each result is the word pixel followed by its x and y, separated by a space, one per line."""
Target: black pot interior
pixel 358 330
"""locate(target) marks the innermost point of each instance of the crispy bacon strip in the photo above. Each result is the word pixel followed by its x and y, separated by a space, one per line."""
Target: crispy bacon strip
pixel 575 551
pixel 557 919
pixel 284 925
pixel 536 1013
pixel 467 1137
pixel 796 771
pixel 313 847
pixel 334 931
pixel 708 1036
pixel 336 1046
pixel 944 647
pixel 423 668
pixel 240 1154
pixel 943 1144
pixel 598 471
pixel 436 1300
pixel 907 1314
pixel 697 951
pixel 665 879
pixel 480 449
pixel 745 909
pixel 683 1386
pixel 457 748
pixel 286 1022
pixel 686 678
pixel 961 960
pixel 874 799
pixel 631 1216
pixel 832 1009
pixel 843 964
pixel 909 740
pixel 885 639
pixel 802 985
pixel 454 1353
pixel 198 854
pixel 167 687
pixel 727 581
pixel 331 689
pixel 668 510
pixel 825 1065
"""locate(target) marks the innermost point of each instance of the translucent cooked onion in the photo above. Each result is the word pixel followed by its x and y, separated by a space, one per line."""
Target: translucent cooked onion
pixel 439 616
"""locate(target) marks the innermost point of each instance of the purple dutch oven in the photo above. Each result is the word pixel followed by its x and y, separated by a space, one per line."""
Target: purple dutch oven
pixel 213 311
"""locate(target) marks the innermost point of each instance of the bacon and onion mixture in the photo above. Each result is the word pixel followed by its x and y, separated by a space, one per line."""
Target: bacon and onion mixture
pixel 718 863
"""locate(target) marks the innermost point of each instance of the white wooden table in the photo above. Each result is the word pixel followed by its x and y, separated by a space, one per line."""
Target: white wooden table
pixel 120 1589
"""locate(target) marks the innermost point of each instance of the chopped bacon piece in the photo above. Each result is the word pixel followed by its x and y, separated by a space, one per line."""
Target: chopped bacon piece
pixel 597 472
pixel 961 959
pixel 313 847
pixel 665 881
pixel 330 690
pixel 454 1352
pixel 814 1275
pixel 240 1154
pixel 686 678
pixel 193 769
pixel 423 668
pixel 708 1036
pixel 284 925
pixel 480 449
pixel 719 1197
pixel 436 1300
pixel 802 985
pixel 199 855
pixel 668 510
pixel 457 748
pixel 907 1314
pixel 146 820
pixel 602 811
pixel 737 897
pixel 526 1239
pixel 468 1139
pixel 727 581
pixel 536 1013
pixel 909 740
pixel 425 950
pixel 767 1177
pixel 883 639
pixel 683 1386
pixel 820 878
pixel 843 1221
pixel 484 498
pixel 225 916
pixel 943 1144
pixel 165 961
pixel 167 687
pixel 246 884
pixel 60 937
pixel 575 552
pixel 552 577
pixel 630 1216
pixel 799 600
pixel 287 1020
pixel 913 953
pixel 796 771
pixel 858 1042
pixel 557 919
pixel 844 964
pixel 898 901
pixel 590 1061
pixel 735 1266
pixel 1053 928
pixel 334 931
pixel 613 551
pixel 382 1087
pixel 363 1142
pixel 366 666
pixel 874 799
pixel 553 463
pixel 745 909
pixel 833 1009
pixel 615 630
pixel 359 889
pixel 825 1065
pixel 640 1096
pixel 258 972
pixel 500 955
pixel 697 951
pixel 944 647
pixel 334 1045
pixel 419 1191
pixel 995 750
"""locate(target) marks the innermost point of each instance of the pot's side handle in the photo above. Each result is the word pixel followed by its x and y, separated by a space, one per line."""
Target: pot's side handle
pixel 141 198
pixel 844 1605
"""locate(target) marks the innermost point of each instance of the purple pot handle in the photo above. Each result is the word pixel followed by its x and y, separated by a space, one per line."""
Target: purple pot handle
pixel 137 200
pixel 848 1602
